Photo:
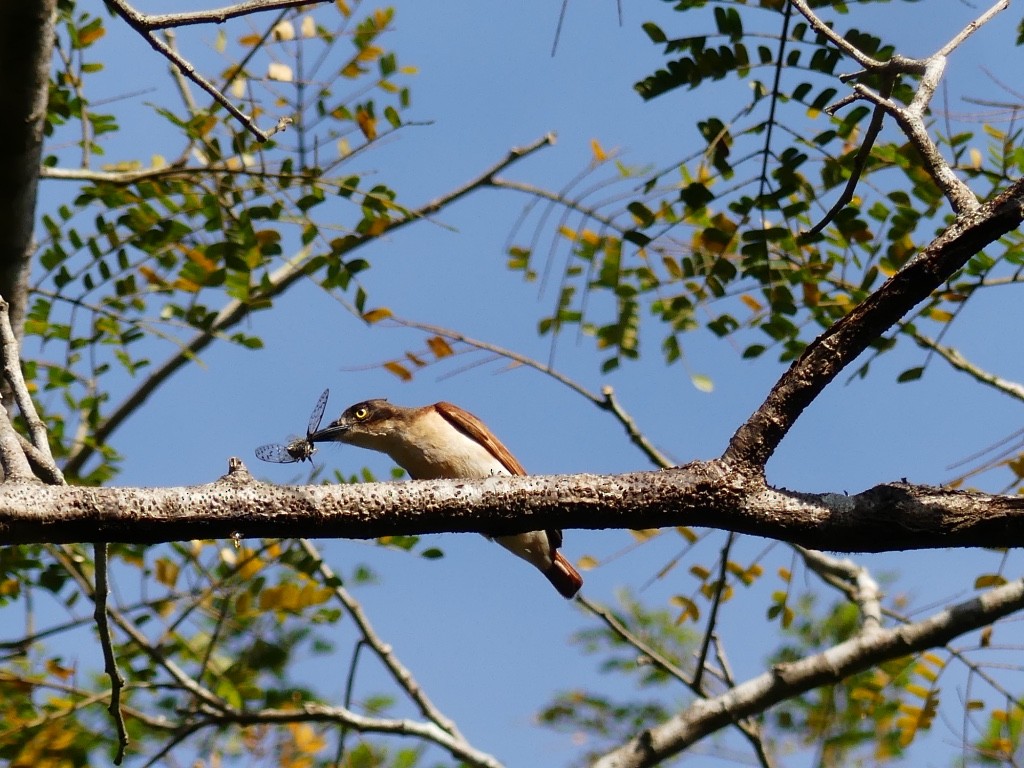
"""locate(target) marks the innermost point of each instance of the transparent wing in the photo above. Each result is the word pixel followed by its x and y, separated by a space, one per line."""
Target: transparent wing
pixel 318 413
pixel 276 453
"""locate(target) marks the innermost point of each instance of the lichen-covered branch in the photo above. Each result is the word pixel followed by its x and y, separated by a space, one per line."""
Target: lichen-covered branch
pixel 889 517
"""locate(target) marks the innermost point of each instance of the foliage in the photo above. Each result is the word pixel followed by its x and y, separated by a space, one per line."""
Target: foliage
pixel 794 209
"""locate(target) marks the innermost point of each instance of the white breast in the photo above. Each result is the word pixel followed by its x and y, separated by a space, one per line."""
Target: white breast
pixel 435 449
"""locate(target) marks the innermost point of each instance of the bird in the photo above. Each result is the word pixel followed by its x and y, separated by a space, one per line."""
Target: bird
pixel 444 441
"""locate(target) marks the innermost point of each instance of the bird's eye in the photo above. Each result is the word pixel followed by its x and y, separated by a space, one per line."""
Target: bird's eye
pixel 361 412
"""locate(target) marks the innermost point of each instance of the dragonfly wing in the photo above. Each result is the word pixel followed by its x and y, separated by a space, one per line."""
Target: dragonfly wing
pixel 318 413
pixel 276 453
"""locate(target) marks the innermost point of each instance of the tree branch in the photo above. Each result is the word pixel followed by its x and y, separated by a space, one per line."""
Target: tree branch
pixel 755 441
pixel 888 517
pixel 784 681
pixel 26 50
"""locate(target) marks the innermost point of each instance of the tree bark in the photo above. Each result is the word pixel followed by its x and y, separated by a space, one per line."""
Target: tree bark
pixel 26 50
pixel 889 517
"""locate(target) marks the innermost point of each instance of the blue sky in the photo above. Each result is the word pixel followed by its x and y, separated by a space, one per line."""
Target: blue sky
pixel 485 635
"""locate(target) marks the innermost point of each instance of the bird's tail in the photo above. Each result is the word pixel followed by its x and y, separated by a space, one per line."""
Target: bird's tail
pixel 564 577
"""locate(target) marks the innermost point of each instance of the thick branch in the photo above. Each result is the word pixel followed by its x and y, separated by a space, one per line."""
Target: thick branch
pixel 787 680
pixel 26 47
pixel 885 518
pixel 755 441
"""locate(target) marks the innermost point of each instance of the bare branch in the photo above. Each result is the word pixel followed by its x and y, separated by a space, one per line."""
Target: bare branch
pixel 318 713
pixel 151 22
pixel 854 580
pixel 606 401
pixel 144 25
pixel 715 494
pixel 384 652
pixel 109 660
pixel 11 353
pixel 826 356
pixel 973 27
pixel 784 681
pixel 961 363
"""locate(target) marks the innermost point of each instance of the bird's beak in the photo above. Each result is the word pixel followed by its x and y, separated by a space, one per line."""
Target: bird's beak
pixel 332 431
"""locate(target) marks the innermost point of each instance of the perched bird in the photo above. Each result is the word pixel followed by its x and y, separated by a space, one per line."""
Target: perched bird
pixel 444 441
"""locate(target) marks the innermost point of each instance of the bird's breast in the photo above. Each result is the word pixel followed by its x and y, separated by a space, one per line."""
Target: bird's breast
pixel 433 449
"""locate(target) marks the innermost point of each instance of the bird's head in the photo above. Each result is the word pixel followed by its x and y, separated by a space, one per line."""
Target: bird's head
pixel 369 424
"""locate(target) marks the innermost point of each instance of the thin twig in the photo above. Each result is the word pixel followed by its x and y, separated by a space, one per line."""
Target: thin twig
pixel 11 353
pixel 156 21
pixel 109 660
pixel 606 401
pixel 142 24
pixel 398 671
pixel 655 657
pixel 716 601
pixel 961 363
pixel 853 579
pixel 859 164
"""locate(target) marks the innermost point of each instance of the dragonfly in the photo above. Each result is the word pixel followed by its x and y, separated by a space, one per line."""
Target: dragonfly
pixel 300 448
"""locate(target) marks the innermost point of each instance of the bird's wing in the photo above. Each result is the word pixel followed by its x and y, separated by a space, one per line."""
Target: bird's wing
pixel 470 425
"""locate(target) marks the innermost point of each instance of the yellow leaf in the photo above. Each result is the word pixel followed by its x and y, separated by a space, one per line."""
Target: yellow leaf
pixel 398 369
pixel 599 154
pixel 918 690
pixel 89 36
pixel 587 563
pixel 376 315
pixel 343 7
pixel 166 572
pixel 785 575
pixel 751 302
pixel 369 53
pixel 243 604
pixel 151 277
pixel 189 286
pixel 567 232
pixel 55 669
pixel 237 87
pixel 249 40
pixel 307 740
pixel 308 26
pixel 206 125
pixel 221 42
pixel 645 534
pixel 700 572
pixel 686 533
pixel 986 637
pixel 250 566
pixel 976 159
pixel 989 580
pixel 940 315
pixel 440 347
pixel 689 608
pixel 367 123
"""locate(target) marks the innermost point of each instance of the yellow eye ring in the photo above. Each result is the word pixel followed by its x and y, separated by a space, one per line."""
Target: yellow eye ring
pixel 361 412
